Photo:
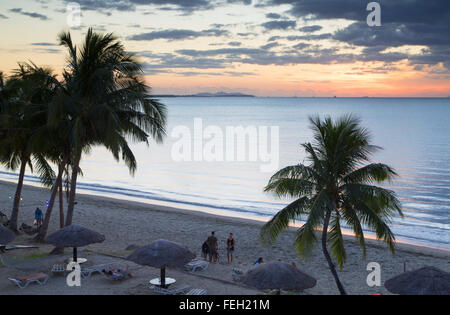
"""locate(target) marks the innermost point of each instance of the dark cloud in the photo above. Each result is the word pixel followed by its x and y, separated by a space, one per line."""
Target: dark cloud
pixel 310 29
pixel 404 22
pixel 274 16
pixel 181 34
pixel 246 2
pixel 186 6
pixel 309 37
pixel 3 16
pixel 43 44
pixel 274 38
pixel 130 5
pixel 235 44
pixel 301 46
pixel 261 56
pixel 270 45
pixel 30 14
pixel 279 25
pixel 173 61
pixel 394 34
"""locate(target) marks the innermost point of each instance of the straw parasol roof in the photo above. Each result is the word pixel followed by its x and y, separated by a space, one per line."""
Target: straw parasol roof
pixel 6 235
pixel 162 254
pixel 75 236
pixel 424 281
pixel 278 275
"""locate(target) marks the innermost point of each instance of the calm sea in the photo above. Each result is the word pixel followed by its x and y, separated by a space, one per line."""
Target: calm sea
pixel 415 135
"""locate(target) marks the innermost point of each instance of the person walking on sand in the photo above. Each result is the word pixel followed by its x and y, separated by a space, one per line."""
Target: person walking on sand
pixel 213 247
pixel 38 218
pixel 230 248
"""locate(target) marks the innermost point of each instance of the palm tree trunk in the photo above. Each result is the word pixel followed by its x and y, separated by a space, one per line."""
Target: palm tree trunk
pixel 15 211
pixel 61 206
pixel 44 228
pixel 327 255
pixel 73 189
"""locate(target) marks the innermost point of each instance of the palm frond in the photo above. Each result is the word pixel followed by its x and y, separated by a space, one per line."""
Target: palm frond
pixel 337 241
pixel 280 221
pixel 306 237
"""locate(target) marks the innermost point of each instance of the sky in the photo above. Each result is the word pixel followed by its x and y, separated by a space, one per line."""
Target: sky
pixel 301 48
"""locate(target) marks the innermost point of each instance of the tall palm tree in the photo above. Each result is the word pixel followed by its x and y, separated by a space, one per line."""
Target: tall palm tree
pixel 336 187
pixel 24 95
pixel 104 101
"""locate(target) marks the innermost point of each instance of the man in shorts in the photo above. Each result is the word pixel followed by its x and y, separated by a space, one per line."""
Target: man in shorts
pixel 213 247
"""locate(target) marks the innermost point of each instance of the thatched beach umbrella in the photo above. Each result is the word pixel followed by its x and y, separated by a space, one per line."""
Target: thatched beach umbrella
pixel 278 275
pixel 162 254
pixel 424 281
pixel 75 236
pixel 6 235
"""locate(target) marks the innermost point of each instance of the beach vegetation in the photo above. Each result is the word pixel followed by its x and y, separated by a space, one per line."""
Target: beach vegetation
pixel 100 99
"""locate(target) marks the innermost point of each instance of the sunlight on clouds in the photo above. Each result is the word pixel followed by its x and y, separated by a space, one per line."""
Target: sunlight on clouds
pixel 231 47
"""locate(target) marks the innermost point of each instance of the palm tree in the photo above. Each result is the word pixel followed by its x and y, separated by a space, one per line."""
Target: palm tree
pixel 104 101
pixel 337 187
pixel 24 95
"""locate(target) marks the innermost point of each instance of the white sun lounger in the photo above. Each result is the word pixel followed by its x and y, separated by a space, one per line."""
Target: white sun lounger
pixel 58 269
pixel 197 292
pixel 197 264
pixel 40 278
pixel 171 291
pixel 86 273
pixel 237 274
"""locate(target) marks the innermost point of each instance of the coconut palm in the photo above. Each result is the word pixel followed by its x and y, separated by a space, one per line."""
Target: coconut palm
pixel 24 96
pixel 104 101
pixel 337 187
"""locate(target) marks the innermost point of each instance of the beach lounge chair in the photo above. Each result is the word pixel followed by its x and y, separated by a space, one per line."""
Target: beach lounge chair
pixel 197 292
pixel 39 278
pixel 117 274
pixel 86 273
pixel 197 264
pixel 237 274
pixel 171 291
pixel 58 269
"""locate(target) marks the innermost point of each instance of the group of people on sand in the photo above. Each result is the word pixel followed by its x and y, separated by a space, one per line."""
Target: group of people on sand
pixel 211 248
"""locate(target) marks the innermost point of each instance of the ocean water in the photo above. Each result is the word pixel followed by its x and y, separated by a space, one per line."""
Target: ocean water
pixel 414 134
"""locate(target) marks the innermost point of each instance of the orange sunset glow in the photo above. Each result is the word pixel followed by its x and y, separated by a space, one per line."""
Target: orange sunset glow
pixel 264 48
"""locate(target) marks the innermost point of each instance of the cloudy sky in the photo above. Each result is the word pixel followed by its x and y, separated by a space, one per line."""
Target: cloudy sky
pixel 262 47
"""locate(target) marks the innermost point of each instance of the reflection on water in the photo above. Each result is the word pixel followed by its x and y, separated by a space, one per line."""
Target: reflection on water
pixel 414 134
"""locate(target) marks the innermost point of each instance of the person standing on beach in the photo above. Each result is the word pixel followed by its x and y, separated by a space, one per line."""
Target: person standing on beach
pixel 230 248
pixel 205 250
pixel 38 218
pixel 213 247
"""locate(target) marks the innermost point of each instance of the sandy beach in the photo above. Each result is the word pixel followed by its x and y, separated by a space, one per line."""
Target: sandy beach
pixel 126 223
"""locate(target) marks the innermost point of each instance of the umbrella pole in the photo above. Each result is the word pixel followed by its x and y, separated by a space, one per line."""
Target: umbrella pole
pixel 163 277
pixel 75 258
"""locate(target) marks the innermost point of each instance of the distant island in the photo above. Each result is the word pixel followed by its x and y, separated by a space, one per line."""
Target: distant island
pixel 218 94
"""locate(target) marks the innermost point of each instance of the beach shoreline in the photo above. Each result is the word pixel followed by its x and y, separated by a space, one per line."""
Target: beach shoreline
pixel 126 223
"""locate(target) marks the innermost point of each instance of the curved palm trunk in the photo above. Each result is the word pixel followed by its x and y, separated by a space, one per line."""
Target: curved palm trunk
pixel 15 211
pixel 327 255
pixel 44 228
pixel 73 190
